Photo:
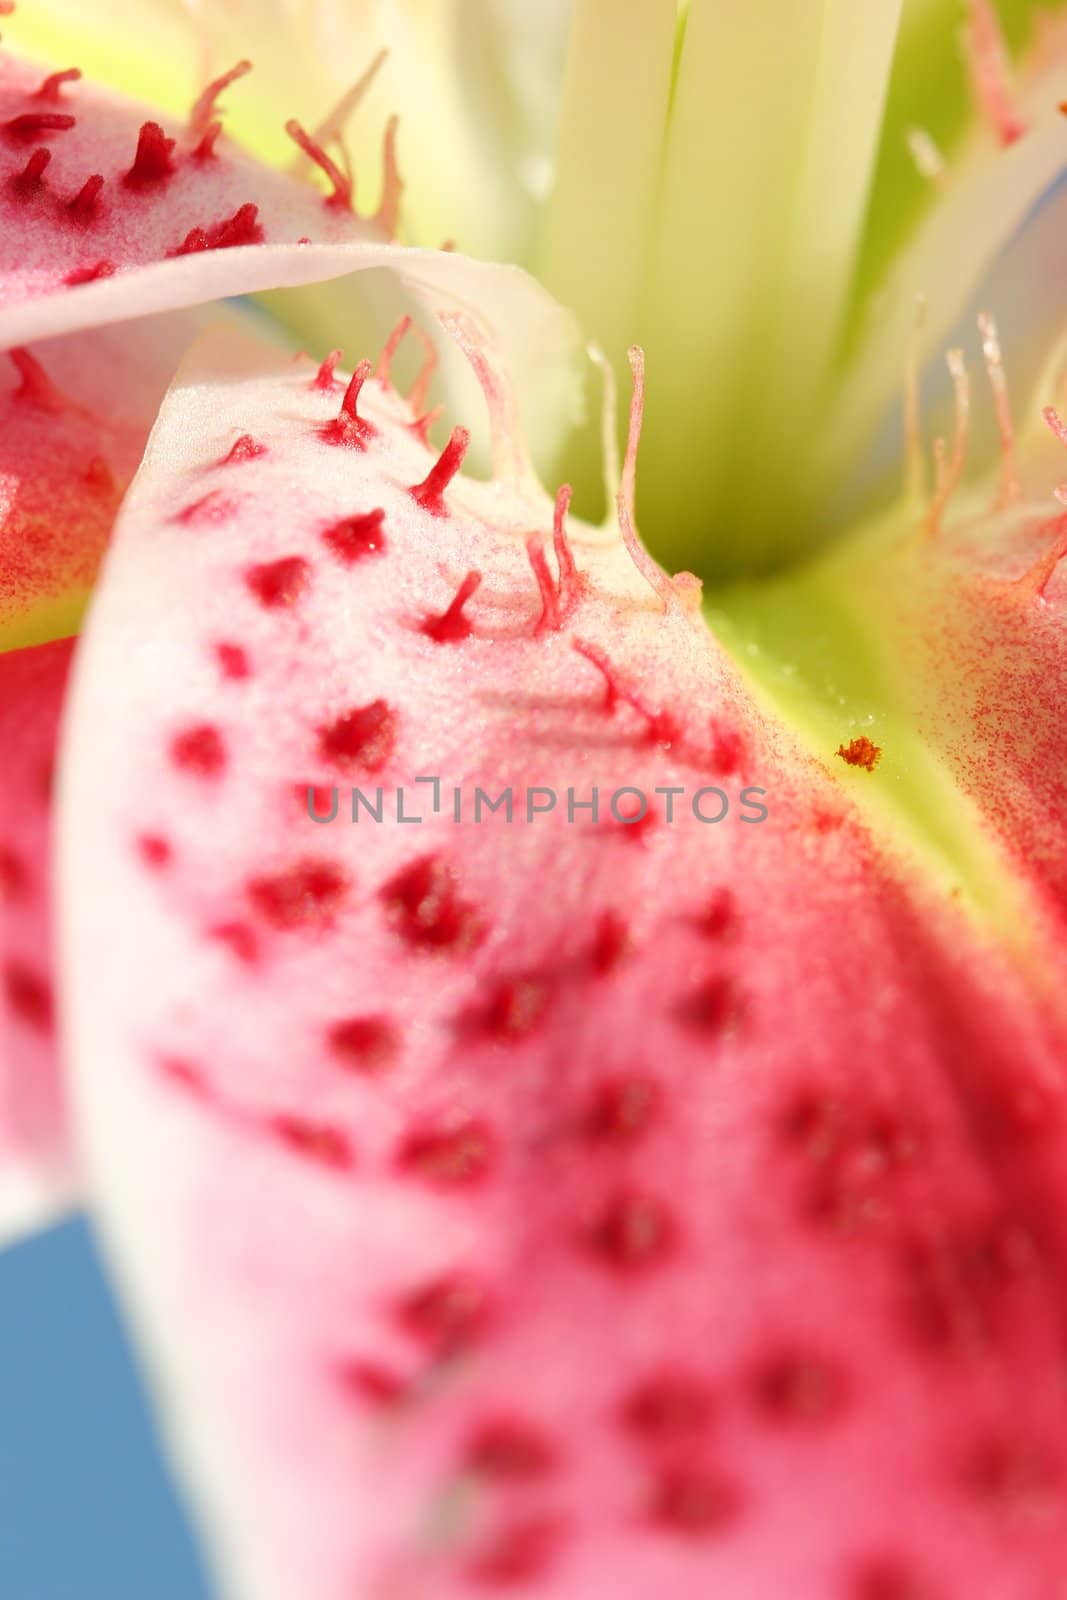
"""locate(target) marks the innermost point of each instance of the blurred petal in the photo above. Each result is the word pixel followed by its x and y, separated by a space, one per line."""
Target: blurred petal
pixel 561 1204
pixel 36 1164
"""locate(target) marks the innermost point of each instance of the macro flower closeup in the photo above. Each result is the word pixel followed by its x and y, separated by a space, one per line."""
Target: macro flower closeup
pixel 533 820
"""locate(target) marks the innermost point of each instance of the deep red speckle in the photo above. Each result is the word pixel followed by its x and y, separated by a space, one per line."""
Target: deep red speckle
pixel 718 920
pixel 207 510
pixel 277 584
pixel 363 737
pixel 425 907
pixel 888 1578
pixel 91 273
pixel 447 1315
pixel 430 493
pixel 516 1007
pixel 727 751
pixel 633 1233
pixel 232 660
pixel 795 1388
pixel 611 942
pixel 49 89
pixel 154 850
pixel 83 206
pixel 667 1407
pixel 239 939
pixel 453 625
pixel 448 1156
pixel 622 1109
pixel 694 1502
pixel 244 448
pixel 35 124
pixel 510 1448
pixel 199 750
pixel 348 428
pixel 307 893
pixel 364 1044
pixel 353 538
pixel 28 181
pixel 13 877
pixel 714 1006
pixel 98 476
pixel 1013 1478
pixel 29 996
pixel 318 1141
pixel 243 227
pixel 519 1553
pixel 154 161
pixel 373 1384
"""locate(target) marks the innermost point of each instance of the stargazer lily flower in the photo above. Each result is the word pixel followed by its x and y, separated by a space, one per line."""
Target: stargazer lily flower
pixel 569 1066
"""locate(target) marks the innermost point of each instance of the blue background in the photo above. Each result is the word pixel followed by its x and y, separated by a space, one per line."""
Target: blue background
pixel 87 1511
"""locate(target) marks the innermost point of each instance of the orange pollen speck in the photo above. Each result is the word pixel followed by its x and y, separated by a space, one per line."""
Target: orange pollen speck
pixel 861 752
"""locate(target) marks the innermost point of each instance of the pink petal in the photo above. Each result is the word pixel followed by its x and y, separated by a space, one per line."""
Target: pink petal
pixel 570 1209
pixel 72 256
pixel 36 1167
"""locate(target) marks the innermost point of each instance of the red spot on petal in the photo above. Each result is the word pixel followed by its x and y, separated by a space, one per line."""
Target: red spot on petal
pixel 633 1233
pixel 888 1578
pixel 239 939
pixel 668 1407
pixel 154 850
pixel 453 624
pixel 277 584
pixel 199 750
pixel 353 538
pixel 244 448
pixel 304 894
pixel 373 1383
pixel 718 920
pixel 714 1006
pixel 348 428
pixel 364 1044
pixel 795 1388
pixel 28 181
pixel 511 1449
pixel 90 274
pixel 516 1007
pixel 35 124
pixel 83 207
pixel 448 1156
pixel 49 89
pixel 14 880
pixel 153 162
pixel 611 942
pixel 363 737
pixel 622 1109
pixel 242 228
pixel 233 660
pixel 208 511
pixel 447 1315
pixel 324 379
pixel 425 907
pixel 28 995
pixel 520 1553
pixel 318 1141
pixel 695 1502
pixel 430 493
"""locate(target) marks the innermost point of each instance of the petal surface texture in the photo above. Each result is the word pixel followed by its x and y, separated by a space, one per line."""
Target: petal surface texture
pixel 560 1207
